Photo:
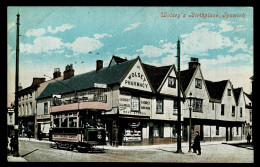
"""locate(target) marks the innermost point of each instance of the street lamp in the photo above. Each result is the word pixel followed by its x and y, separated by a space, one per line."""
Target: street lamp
pixel 190 108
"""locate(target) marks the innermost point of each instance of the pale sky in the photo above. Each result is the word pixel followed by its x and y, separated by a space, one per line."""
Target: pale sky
pixel 52 37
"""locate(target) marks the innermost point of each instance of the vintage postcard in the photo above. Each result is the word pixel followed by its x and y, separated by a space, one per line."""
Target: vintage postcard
pixel 130 84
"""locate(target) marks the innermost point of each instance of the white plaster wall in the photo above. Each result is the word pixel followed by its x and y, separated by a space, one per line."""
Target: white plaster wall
pixel 167 130
pixel 112 99
pixel 145 132
pixel 40 105
pixel 201 94
pixel 206 130
pixel 169 90
pixel 229 101
pixel 167 110
pixel 241 104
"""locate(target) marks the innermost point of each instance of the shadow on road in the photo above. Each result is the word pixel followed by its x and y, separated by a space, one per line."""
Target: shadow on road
pixel 29 153
pixel 242 145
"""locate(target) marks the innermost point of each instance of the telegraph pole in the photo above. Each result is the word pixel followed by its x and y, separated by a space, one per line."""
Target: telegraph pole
pixel 16 143
pixel 179 102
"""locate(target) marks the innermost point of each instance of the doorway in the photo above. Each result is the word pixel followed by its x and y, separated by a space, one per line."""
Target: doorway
pixel 201 133
pixel 151 135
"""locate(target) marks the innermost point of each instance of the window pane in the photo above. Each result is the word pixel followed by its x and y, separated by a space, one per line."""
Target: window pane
pixel 64 122
pixel 198 83
pixel 135 103
pixel 159 106
pixel 172 82
pixel 197 105
pixel 56 122
pixel 73 122
pixel 222 109
pixel 175 107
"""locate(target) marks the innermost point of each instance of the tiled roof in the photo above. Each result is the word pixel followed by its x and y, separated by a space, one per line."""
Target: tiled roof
pixel 156 74
pixel 249 96
pixel 118 59
pixel 237 93
pixel 216 89
pixel 106 75
pixel 185 77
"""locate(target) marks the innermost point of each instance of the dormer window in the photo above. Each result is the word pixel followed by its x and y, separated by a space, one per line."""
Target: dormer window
pixel 229 92
pixel 198 83
pixel 172 82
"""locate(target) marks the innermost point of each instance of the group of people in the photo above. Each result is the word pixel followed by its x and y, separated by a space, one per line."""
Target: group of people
pixel 196 144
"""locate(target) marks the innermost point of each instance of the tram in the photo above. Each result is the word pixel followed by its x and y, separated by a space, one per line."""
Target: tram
pixel 80 130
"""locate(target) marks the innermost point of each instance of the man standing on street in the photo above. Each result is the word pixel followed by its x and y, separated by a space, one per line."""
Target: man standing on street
pixel 196 145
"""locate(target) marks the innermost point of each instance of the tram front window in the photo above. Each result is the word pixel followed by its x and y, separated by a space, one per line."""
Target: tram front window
pixel 56 122
pixel 64 122
pixel 73 122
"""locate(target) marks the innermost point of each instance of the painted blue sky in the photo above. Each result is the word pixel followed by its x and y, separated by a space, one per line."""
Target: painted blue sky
pixel 52 37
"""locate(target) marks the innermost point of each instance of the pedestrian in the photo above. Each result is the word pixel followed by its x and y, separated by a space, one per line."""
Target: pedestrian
pixel 248 138
pixel 40 135
pixel 196 145
pixel 29 134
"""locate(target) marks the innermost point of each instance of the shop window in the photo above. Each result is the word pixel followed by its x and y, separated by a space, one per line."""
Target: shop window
pixel 158 130
pixel 45 108
pixel 198 83
pixel 197 105
pixel 171 82
pixel 241 112
pixel 135 103
pixel 233 111
pixel 217 130
pixel 159 106
pixel 229 92
pixel 222 109
pixel 133 132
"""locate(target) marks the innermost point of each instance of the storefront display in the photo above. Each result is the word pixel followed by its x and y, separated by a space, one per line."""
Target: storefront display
pixel 133 132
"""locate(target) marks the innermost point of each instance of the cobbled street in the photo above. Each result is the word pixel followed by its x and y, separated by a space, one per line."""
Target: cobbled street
pixel 216 152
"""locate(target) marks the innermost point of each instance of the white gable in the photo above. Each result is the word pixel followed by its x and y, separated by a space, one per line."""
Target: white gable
pixel 166 89
pixel 136 79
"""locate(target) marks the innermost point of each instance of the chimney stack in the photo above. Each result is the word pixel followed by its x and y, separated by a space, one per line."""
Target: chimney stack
pixel 69 72
pixel 56 73
pixel 194 62
pixel 37 81
pixel 99 65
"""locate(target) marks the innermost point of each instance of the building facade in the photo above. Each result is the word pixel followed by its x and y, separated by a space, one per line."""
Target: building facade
pixel 137 102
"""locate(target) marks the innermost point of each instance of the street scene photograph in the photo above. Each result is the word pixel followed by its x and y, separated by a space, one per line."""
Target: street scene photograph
pixel 130 84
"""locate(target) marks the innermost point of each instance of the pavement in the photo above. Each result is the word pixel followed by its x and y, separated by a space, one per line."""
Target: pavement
pixel 11 158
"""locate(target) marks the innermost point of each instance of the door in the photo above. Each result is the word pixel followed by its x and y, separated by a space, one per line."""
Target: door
pixel 151 135
pixel 231 134
pixel 201 133
pixel 227 134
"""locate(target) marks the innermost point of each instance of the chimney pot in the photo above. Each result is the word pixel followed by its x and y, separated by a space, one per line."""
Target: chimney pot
pixel 99 65
pixel 56 73
pixel 69 72
pixel 37 81
pixel 194 62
